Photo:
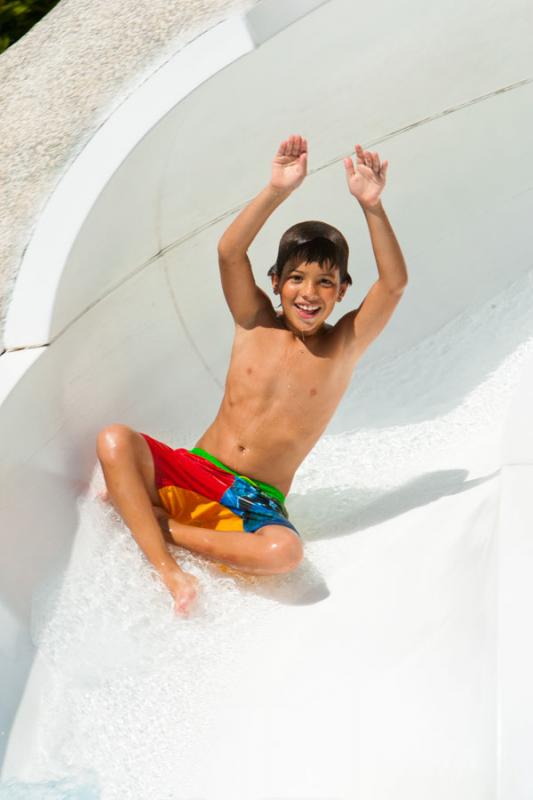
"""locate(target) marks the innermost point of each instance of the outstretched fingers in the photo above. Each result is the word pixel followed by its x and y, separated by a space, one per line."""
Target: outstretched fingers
pixel 371 160
pixel 367 158
pixel 350 169
pixel 298 145
pixel 360 154
pixel 293 147
pixel 289 166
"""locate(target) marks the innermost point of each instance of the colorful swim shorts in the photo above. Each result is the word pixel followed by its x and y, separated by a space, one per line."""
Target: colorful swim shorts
pixel 197 489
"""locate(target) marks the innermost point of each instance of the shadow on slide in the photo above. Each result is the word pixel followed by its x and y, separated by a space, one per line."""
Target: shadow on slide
pixel 353 510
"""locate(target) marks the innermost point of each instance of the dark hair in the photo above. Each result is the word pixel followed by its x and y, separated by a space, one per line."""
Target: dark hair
pixel 313 241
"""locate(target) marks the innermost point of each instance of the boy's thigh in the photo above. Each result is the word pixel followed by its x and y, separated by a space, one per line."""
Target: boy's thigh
pixel 145 462
pixel 119 444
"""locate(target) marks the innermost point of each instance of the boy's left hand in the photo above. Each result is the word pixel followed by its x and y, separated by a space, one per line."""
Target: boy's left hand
pixel 367 181
pixel 289 167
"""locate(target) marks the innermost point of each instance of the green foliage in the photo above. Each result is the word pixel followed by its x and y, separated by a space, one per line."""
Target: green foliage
pixel 18 16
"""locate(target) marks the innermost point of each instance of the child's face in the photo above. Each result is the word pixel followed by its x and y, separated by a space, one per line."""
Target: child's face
pixel 308 294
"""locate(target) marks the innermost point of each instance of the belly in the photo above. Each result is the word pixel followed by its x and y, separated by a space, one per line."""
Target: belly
pixel 264 440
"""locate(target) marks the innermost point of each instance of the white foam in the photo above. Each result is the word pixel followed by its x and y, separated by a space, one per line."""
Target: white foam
pixel 79 788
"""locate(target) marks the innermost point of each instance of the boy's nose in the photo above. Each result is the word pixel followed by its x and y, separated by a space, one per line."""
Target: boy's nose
pixel 309 293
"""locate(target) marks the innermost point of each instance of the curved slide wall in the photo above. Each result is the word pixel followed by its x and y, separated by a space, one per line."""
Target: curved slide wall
pixel 392 659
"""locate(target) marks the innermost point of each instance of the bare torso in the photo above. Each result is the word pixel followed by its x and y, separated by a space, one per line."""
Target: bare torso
pixel 280 394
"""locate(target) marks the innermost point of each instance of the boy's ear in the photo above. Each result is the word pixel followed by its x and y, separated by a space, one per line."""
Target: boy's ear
pixel 342 290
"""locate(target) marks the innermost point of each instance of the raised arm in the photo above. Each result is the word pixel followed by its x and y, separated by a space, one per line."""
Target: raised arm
pixel 366 183
pixel 245 299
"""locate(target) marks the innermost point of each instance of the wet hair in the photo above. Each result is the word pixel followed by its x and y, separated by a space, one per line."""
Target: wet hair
pixel 313 241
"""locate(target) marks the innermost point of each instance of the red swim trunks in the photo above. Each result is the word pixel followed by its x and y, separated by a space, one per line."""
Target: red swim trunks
pixel 197 489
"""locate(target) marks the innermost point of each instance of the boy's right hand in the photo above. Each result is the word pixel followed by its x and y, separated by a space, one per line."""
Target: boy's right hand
pixel 183 587
pixel 289 167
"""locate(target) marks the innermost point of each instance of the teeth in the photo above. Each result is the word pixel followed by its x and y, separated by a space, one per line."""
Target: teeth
pixel 307 308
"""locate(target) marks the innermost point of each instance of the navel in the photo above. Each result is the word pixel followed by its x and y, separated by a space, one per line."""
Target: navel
pixel 312 392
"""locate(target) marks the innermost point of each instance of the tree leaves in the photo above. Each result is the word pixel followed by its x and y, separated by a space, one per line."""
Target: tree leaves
pixel 18 16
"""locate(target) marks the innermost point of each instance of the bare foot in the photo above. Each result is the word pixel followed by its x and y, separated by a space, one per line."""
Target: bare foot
pixel 183 587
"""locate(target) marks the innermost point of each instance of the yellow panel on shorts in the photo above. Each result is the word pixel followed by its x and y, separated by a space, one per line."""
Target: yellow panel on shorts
pixel 191 508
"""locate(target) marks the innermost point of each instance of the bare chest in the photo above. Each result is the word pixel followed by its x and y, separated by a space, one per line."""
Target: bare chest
pixel 270 368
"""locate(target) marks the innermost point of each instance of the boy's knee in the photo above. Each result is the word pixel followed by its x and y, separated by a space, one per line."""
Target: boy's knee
pixel 284 550
pixel 113 441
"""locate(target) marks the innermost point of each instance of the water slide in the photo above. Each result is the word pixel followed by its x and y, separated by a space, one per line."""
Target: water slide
pixel 396 660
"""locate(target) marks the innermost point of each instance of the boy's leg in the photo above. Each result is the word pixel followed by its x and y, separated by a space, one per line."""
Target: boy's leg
pixel 271 550
pixel 129 476
pixel 129 473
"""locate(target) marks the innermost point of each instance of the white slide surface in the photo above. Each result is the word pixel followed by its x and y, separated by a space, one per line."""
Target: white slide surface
pixel 395 661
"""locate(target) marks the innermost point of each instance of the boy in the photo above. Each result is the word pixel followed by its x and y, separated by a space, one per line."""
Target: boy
pixel 287 374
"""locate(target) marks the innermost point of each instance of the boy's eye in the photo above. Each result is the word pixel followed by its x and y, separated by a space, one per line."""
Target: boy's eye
pixel 325 281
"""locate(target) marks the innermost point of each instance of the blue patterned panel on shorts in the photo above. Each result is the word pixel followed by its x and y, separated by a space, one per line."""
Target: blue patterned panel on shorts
pixel 254 506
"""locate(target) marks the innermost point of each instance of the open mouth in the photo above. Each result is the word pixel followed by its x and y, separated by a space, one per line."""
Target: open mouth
pixel 307 311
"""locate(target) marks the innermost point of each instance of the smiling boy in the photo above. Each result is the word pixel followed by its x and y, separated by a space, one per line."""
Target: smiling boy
pixel 288 371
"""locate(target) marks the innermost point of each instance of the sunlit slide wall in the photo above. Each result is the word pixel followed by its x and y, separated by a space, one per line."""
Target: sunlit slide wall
pixel 118 316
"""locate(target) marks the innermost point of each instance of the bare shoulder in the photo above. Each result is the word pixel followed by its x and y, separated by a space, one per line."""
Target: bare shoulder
pixel 359 327
pixel 244 298
pixel 264 323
